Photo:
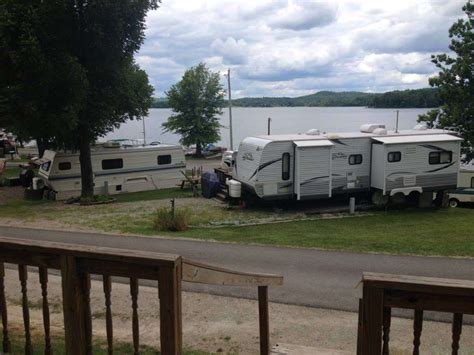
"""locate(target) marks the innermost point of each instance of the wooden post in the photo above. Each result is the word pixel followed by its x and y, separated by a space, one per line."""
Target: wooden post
pixel 372 320
pixel 76 309
pixel 43 276
pixel 360 328
pixel 23 273
pixel 169 290
pixel 3 310
pixel 263 320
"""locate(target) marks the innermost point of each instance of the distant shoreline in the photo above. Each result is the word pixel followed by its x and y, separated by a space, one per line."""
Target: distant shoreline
pixel 419 98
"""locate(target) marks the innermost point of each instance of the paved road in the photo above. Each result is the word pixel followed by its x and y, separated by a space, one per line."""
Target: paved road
pixel 312 277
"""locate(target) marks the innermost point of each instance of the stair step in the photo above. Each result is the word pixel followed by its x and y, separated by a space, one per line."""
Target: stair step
pixel 292 349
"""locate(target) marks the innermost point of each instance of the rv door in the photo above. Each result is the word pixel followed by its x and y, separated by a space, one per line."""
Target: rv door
pixel 313 169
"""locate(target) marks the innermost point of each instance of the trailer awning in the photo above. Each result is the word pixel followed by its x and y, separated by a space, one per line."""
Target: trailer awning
pixel 422 138
pixel 314 143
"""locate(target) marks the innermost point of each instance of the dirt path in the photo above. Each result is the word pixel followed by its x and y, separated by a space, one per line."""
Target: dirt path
pixel 224 324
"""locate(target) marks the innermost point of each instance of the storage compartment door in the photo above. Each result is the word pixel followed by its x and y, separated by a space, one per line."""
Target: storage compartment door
pixel 313 172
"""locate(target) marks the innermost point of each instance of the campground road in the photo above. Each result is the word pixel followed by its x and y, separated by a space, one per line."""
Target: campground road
pixel 312 277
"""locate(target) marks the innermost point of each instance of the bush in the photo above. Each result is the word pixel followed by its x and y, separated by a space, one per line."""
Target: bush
pixel 165 220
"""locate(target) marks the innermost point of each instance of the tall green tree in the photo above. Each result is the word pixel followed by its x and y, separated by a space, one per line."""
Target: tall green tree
pixel 196 101
pixel 83 58
pixel 455 83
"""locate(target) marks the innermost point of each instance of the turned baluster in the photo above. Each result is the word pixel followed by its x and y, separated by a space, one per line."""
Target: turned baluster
pixel 456 329
pixel 43 277
pixel 135 327
pixel 387 318
pixel 107 281
pixel 3 310
pixel 23 274
pixel 417 328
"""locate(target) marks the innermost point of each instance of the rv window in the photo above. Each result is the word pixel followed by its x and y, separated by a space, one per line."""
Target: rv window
pixel 65 165
pixel 440 157
pixel 164 159
pixel 355 159
pixel 285 170
pixel 112 164
pixel 393 157
pixel 472 182
pixel 45 166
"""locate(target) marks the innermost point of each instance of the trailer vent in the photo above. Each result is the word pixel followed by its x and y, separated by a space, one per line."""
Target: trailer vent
pixel 313 132
pixel 371 127
pixel 380 131
pixel 420 127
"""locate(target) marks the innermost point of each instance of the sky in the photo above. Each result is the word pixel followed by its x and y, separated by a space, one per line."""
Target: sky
pixel 298 47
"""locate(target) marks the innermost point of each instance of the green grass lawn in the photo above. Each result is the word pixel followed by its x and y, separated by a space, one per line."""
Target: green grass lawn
pixel 11 172
pixel 445 232
pixel 421 232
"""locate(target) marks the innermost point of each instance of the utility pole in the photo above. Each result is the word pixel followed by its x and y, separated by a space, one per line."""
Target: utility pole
pixel 396 125
pixel 144 132
pixel 230 109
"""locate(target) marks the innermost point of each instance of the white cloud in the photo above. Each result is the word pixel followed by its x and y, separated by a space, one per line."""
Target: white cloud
pixel 295 47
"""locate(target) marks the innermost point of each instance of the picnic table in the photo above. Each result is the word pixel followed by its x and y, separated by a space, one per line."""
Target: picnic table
pixel 193 181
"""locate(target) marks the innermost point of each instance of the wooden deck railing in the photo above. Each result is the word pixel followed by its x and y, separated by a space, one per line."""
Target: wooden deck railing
pixel 382 292
pixel 77 263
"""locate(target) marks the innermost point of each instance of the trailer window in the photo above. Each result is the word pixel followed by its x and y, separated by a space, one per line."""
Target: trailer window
pixel 109 164
pixel 45 166
pixel 472 182
pixel 355 159
pixel 164 159
pixel 393 157
pixel 64 165
pixel 285 170
pixel 440 157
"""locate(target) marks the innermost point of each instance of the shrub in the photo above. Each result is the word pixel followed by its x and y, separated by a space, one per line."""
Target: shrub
pixel 165 220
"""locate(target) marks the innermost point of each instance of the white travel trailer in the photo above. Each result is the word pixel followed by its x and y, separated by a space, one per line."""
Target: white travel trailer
pixel 116 169
pixel 320 165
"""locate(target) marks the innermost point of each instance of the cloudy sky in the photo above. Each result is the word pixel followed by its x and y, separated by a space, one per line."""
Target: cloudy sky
pixel 297 47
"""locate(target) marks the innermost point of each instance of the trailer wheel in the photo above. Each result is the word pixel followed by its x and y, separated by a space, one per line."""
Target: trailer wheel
pixel 398 199
pixel 379 199
pixel 453 203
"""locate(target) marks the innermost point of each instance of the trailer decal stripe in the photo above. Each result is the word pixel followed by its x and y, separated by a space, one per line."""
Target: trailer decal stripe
pixel 444 167
pixel 137 170
pixel 433 147
pixel 264 165
pixel 314 179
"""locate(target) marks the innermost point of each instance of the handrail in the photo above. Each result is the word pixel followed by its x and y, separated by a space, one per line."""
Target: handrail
pixel 77 262
pixel 382 292
pixel 197 272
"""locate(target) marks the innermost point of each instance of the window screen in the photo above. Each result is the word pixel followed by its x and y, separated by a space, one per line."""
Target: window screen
pixel 355 159
pixel 109 164
pixel 440 157
pixel 285 171
pixel 164 159
pixel 393 157
pixel 65 165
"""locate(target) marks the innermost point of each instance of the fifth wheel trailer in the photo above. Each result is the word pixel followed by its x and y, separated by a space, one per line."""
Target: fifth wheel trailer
pixel 319 165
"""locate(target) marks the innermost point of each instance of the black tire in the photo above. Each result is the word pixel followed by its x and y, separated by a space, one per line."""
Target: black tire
pixel 453 202
pixel 398 199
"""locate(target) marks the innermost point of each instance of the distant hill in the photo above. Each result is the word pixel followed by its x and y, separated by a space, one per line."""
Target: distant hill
pixel 420 98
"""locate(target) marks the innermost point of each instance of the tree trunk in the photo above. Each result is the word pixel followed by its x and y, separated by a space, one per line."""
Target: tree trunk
pixel 198 150
pixel 87 175
pixel 42 145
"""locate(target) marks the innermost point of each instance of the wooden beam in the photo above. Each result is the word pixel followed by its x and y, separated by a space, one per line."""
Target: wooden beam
pixel 169 289
pixel 74 307
pixel 214 275
pixel 373 320
pixel 264 322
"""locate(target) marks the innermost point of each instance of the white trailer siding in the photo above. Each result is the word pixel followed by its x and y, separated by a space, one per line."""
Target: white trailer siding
pixel 313 169
pixel 414 169
pixel 138 169
pixel 347 176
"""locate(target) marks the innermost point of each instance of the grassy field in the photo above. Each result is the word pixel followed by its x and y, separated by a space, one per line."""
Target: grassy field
pixel 446 232
pixel 11 172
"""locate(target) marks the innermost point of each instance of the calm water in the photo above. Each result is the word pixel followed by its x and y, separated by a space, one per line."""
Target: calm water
pixel 253 121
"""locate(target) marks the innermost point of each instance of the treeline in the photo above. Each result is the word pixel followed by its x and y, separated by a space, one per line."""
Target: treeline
pixel 420 98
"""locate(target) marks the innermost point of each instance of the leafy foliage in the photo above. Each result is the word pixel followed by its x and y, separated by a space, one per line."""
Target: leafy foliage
pixel 167 220
pixel 196 101
pixel 455 83
pixel 421 98
pixel 67 71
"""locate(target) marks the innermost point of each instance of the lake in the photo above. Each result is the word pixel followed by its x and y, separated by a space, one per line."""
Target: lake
pixel 250 121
